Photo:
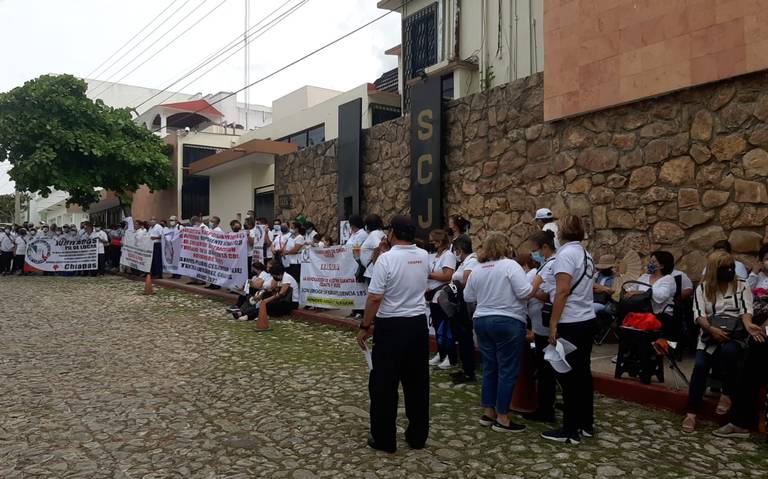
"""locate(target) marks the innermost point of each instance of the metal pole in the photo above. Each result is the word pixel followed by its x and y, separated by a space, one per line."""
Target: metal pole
pixel 247 60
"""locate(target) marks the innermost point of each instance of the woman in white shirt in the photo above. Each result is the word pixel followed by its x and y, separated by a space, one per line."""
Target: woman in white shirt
pixel 542 244
pixel 358 235
pixel 284 298
pixel 573 320
pixel 500 288
pixel 441 268
pixel 261 281
pixel 293 248
pixel 723 309
pixel 662 284
pixel 20 242
pixel 758 278
pixel 375 227
pixel 462 249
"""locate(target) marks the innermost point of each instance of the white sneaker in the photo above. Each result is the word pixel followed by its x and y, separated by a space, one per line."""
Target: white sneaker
pixel 435 360
pixel 446 364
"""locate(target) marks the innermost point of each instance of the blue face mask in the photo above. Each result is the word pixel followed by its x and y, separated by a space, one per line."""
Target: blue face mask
pixel 652 268
pixel 537 257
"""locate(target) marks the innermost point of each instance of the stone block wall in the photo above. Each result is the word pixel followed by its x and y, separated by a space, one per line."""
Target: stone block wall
pixel 677 172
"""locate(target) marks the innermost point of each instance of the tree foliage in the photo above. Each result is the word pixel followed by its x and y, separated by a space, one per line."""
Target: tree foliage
pixel 7 208
pixel 55 137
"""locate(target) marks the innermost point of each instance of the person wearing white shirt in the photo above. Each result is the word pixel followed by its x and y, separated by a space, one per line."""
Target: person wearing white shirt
pixel 545 220
pixel 462 249
pixel 272 235
pixel 293 250
pixel 7 251
pixel 501 290
pixel 395 317
pixel 279 245
pixel 758 277
pixel 663 288
pixel 168 233
pixel 359 235
pixel 284 298
pixel 260 281
pixel 441 267
pixel 542 244
pixel 376 235
pixel 101 240
pixel 573 320
pixel 214 223
pixel 20 242
pixel 156 235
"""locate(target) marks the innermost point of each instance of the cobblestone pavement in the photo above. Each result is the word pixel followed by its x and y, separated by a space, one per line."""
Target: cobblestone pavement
pixel 99 381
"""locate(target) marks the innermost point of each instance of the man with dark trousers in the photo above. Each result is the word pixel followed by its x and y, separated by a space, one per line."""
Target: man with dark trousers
pixel 396 309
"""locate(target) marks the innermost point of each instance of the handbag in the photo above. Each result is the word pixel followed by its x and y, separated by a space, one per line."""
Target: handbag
pixel 449 299
pixel 637 303
pixel 728 323
pixel 360 272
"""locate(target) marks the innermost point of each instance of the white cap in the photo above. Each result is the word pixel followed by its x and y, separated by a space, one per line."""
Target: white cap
pixel 556 355
pixel 544 214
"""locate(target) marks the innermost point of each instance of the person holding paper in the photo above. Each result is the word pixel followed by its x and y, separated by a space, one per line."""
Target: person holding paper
pixel 573 319
pixel 395 307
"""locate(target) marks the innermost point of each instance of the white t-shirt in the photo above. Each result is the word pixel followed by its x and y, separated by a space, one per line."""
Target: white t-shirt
pixel 553 228
pixel 279 242
pixel 265 277
pixel 664 289
pixel 272 237
pixel 293 242
pixel 500 288
pixel 401 276
pixel 98 236
pixel 755 281
pixel 287 278
pixel 357 238
pixel 469 263
pixel 366 250
pixel 7 244
pixel 436 265
pixel 21 245
pixel 742 272
pixel 156 233
pixel 570 259
pixel 547 286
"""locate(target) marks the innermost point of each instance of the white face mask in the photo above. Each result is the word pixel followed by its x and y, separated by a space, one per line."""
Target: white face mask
pixel 98 228
pixel 321 244
pixel 173 223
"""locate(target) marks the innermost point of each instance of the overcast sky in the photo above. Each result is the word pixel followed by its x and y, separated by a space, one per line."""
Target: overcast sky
pixel 75 36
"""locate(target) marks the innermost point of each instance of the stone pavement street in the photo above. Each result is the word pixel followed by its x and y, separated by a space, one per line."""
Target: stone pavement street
pixel 98 381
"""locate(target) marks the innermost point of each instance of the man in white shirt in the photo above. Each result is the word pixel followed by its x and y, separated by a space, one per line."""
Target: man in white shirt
pixel 20 249
pixel 7 249
pixel 168 234
pixel 545 220
pixel 101 240
pixel 359 235
pixel 395 306
pixel 156 235
pixel 214 224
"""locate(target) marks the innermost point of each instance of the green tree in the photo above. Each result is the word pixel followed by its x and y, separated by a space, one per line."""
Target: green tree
pixel 7 208
pixel 55 137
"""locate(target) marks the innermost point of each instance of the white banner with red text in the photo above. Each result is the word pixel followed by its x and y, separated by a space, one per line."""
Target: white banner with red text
pixel 213 257
pixel 328 279
pixel 60 255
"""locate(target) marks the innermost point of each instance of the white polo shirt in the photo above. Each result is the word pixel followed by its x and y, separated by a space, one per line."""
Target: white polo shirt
pixel 357 238
pixel 99 236
pixel 469 263
pixel 287 278
pixel 401 277
pixel 436 265
pixel 500 288
pixel 571 259
pixel 156 233
pixel 21 245
pixel 7 245
pixel 293 242
pixel 547 286
pixel 372 242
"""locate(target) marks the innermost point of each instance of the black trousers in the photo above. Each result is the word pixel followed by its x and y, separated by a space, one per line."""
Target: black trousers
pixel 6 260
pixel 754 375
pixel 545 378
pixel 462 331
pixel 100 265
pixel 157 261
pixel 400 356
pixel 729 355
pixel 295 271
pixel 438 318
pixel 578 394
pixel 250 267
pixel 18 263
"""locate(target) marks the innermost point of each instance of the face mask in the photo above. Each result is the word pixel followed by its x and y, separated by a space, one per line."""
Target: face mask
pixel 652 268
pixel 725 274
pixel 321 245
pixel 293 231
pixel 235 229
pixel 173 223
pixel 537 257
pixel 284 229
pixel 276 228
pixel 450 231
pixel 211 225
pixel 98 228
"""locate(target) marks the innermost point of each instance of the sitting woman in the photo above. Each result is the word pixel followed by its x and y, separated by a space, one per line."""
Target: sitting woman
pixel 259 283
pixel 758 278
pixel 662 285
pixel 723 309
pixel 501 290
pixel 280 297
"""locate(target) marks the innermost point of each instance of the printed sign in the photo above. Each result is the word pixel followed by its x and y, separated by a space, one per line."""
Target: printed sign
pixel 345 232
pixel 170 247
pixel 136 252
pixel 213 257
pixel 62 255
pixel 258 233
pixel 426 138
pixel 328 280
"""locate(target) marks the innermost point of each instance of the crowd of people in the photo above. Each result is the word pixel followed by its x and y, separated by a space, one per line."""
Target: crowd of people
pixel 550 296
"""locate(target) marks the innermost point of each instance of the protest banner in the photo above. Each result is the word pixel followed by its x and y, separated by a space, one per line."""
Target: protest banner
pixel 170 247
pixel 345 232
pixel 328 280
pixel 61 255
pixel 136 251
pixel 213 257
pixel 258 233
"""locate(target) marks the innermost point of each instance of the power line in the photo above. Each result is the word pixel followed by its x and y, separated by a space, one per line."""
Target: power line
pixel 130 40
pixel 207 60
pixel 298 60
pixel 164 46
pixel 261 32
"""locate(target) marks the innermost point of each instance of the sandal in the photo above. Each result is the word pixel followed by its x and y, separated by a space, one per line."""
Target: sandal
pixel 689 424
pixel 723 406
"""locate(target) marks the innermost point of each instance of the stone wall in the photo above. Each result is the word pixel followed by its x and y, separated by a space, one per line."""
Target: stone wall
pixel 677 172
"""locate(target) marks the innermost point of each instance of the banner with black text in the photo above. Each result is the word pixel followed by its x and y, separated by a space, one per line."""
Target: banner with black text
pixel 328 280
pixel 136 251
pixel 213 257
pixel 61 255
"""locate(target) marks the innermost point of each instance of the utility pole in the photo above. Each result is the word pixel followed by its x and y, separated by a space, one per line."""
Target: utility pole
pixel 247 59
pixel 17 209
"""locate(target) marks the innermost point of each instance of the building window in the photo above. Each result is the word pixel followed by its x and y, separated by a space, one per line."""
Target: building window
pixel 447 83
pixel 382 113
pixel 419 46
pixel 309 137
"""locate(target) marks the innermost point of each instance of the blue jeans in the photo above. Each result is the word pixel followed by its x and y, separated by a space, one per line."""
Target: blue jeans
pixel 501 340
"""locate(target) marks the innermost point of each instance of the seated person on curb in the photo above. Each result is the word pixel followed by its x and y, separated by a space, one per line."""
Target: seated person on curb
pixel 758 278
pixel 724 245
pixel 259 283
pixel 723 309
pixel 604 288
pixel 659 279
pixel 283 292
